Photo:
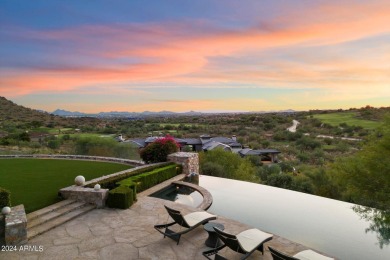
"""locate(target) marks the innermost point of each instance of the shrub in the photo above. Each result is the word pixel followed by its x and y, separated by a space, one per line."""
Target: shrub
pixel 54 144
pixel 286 167
pixel 159 150
pixel 149 179
pixel 303 184
pixel 120 197
pixel 111 183
pixel 5 198
pixel 66 137
pixel 212 169
pixel 307 143
pixel 279 180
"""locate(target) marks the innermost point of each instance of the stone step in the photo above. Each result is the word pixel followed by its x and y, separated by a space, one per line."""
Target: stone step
pixel 46 226
pixel 48 209
pixel 49 215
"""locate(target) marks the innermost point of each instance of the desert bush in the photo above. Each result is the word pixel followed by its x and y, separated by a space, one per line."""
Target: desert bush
pixel 212 169
pixel 225 164
pixel 280 180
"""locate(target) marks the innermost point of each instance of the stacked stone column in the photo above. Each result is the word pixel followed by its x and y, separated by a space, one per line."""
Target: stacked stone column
pixel 16 226
pixel 190 163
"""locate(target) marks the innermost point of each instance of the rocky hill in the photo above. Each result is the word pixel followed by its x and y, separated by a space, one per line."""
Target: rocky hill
pixel 13 114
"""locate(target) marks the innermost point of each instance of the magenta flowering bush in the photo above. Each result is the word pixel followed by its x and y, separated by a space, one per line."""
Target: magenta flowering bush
pixel 159 150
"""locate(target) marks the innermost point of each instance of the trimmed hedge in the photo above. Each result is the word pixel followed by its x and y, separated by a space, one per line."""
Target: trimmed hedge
pixel 125 194
pixel 5 198
pixel 149 179
pixel 120 198
pixel 111 183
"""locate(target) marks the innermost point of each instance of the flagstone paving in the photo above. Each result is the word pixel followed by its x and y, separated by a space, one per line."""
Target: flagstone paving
pixel 129 234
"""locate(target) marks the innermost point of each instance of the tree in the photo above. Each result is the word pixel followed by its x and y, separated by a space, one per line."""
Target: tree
pixel 24 137
pixel 212 169
pixel 225 164
pixel 364 177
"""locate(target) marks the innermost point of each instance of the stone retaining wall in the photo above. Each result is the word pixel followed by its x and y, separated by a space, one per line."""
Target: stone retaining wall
pixel 77 157
pixel 96 197
pixel 118 174
pixel 85 194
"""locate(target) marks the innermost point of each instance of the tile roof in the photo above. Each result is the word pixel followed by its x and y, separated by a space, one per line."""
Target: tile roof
pixel 212 145
pixel 192 141
pixel 248 151
pixel 139 142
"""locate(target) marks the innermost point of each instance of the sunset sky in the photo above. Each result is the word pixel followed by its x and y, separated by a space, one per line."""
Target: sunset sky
pixel 203 55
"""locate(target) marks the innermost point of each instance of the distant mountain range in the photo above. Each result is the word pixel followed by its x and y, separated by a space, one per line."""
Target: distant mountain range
pixel 65 113
pixel 117 114
pixel 10 111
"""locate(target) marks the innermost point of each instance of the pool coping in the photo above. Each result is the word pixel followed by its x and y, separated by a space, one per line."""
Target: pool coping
pixel 207 197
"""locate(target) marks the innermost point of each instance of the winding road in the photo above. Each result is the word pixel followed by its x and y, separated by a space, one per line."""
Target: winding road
pixel 293 128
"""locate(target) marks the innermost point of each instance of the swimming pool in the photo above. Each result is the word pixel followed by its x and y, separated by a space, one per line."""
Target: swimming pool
pixel 327 225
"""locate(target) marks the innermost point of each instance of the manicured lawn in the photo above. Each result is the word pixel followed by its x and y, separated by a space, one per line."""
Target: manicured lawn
pixel 349 118
pixel 36 182
pixel 83 135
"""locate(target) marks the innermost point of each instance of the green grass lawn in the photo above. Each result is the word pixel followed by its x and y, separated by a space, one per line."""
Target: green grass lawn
pixel 36 182
pixel 55 130
pixel 83 135
pixel 349 118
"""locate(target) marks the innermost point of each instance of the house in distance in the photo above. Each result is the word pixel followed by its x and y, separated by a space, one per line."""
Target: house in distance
pixel 207 143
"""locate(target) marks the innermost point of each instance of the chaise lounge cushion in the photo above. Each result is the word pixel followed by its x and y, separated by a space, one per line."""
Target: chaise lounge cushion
pixel 196 217
pixel 311 255
pixel 251 238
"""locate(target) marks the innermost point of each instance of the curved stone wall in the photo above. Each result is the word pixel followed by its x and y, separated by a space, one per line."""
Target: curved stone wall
pixel 207 197
pixel 77 157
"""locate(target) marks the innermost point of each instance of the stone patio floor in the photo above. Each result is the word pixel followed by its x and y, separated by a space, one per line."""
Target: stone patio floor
pixel 129 234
